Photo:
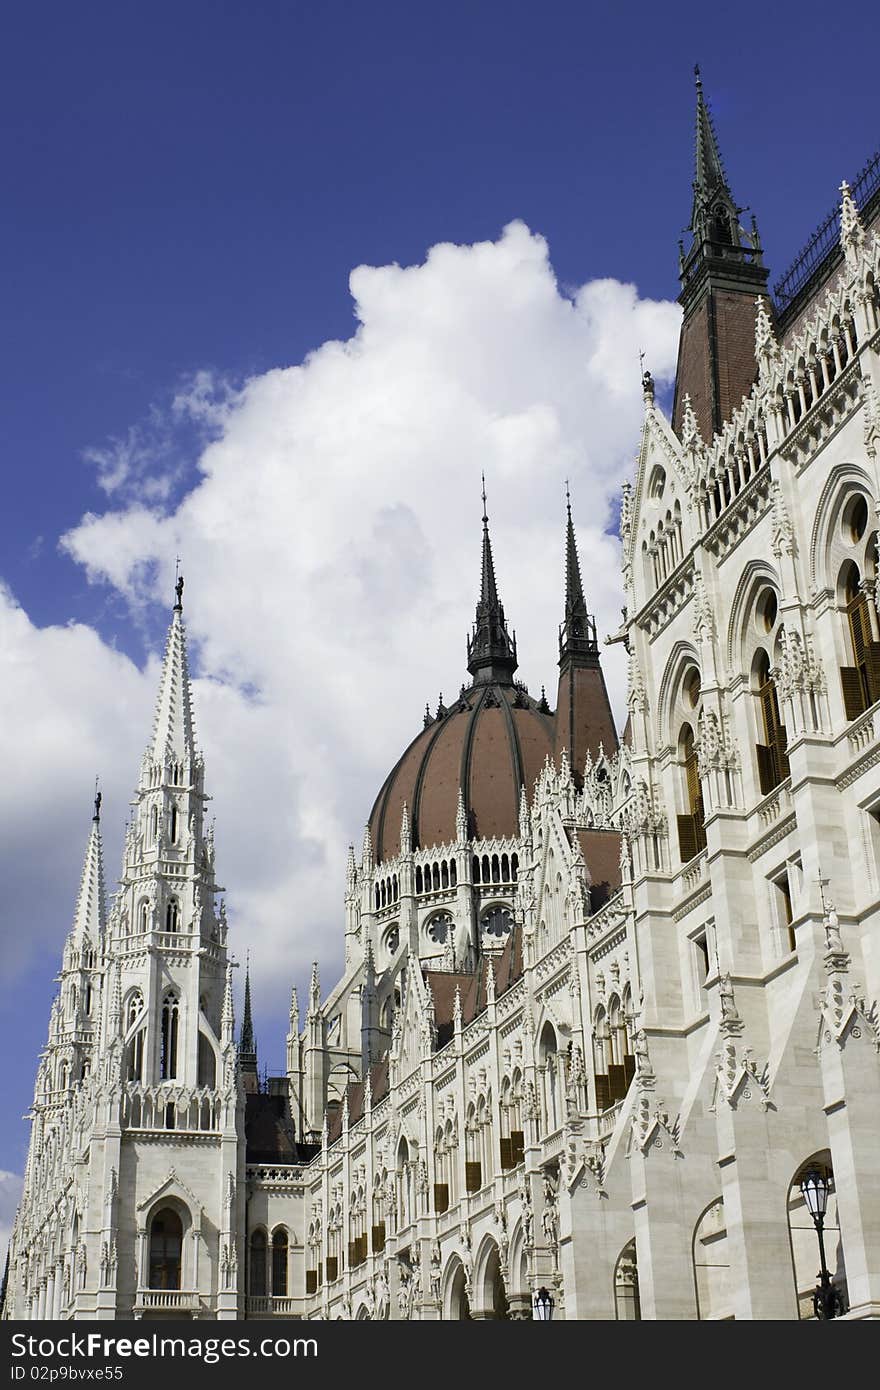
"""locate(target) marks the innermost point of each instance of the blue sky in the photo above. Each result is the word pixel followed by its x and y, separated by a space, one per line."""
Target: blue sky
pixel 189 187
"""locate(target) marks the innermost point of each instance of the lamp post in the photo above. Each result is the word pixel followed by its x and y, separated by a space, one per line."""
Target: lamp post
pixel 542 1305
pixel 827 1302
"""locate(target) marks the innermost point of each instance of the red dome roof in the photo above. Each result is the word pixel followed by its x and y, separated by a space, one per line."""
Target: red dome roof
pixel 490 743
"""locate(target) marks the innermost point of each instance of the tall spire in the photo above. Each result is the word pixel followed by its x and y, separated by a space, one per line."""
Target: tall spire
pixel 173 730
pixel 247 1047
pixel 491 650
pixel 577 633
pixel 90 918
pixel 721 273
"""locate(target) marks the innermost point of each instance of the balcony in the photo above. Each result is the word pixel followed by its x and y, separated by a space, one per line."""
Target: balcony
pixel 273 1307
pixel 178 1301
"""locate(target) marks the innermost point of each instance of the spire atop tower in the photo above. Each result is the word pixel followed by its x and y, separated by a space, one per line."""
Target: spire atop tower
pixel 89 918
pixel 491 650
pixel 173 729
pixel 721 273
pixel 577 633
pixel 247 1047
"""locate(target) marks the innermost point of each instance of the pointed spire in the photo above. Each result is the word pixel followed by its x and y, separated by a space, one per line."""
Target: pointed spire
pixel 491 650
pixel 294 1012
pixel 709 169
pixel 460 819
pixel 577 633
pixel 525 824
pixel 852 231
pixel 405 832
pixel 367 851
pixel 315 992
pixel 247 1047
pixel 90 916
pixel 766 345
pixel 173 729
pixel 456 1011
pixel 227 1017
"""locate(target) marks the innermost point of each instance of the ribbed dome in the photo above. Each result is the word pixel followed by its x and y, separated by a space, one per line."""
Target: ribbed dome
pixel 490 743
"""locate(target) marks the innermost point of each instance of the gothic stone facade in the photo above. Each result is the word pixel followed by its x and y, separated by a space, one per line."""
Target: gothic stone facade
pixel 593 1049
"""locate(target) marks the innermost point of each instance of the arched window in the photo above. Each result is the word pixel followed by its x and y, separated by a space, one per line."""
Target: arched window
pixel 175 822
pixel 804 1241
pixel 279 1263
pixel 627 1307
pixel 136 1043
pixel 154 824
pixel 172 916
pixel 691 827
pixel 143 915
pixel 440 929
pixel 772 753
pixel 168 1049
pixel 712 1264
pixel 207 1073
pixel 257 1282
pixel 861 681
pixel 166 1248
pixel 550 1065
pixel 495 924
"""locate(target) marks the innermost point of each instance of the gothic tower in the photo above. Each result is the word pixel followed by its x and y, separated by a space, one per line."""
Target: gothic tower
pixel 721 274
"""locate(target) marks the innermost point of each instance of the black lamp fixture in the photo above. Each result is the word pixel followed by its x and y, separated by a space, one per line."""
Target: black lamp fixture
pixel 815 1186
pixel 542 1305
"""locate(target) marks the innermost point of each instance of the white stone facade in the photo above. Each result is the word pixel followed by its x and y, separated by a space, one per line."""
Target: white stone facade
pixel 617 1103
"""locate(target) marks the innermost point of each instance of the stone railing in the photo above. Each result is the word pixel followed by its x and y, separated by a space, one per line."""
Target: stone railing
pixel 167 1300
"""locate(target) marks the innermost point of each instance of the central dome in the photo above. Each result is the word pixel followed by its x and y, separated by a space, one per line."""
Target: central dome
pixel 494 740
pixel 489 744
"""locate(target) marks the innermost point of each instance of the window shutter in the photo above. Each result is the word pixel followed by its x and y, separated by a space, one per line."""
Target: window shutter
pixel 766 768
pixel 517 1146
pixel 311 1281
pixel 603 1090
pixel 616 1082
pixel 782 768
pixel 441 1197
pixel 853 699
pixel 332 1268
pixel 506 1147
pixel 379 1238
pixel 473 1179
pixel 687 840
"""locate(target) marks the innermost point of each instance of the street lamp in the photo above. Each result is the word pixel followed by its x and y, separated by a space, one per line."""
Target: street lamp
pixel 827 1301
pixel 542 1305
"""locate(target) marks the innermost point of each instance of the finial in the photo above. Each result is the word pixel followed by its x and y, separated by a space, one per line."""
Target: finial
pixel 178 589
pixel 567 499
pixel 98 798
pixel 697 77
pixel 485 513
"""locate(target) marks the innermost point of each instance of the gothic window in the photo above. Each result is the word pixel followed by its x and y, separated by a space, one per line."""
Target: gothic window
pixel 143 915
pixel 166 1249
pixel 392 939
pixel 772 753
pixel 135 1069
pixel 712 1264
pixel 440 928
pixel 168 1040
pixel 803 1237
pixel 721 226
pixel 496 923
pixel 691 826
pixel 861 681
pixel 627 1307
pixel 207 1062
pixel 172 916
pixel 258 1260
pixel 87 1007
pixel 279 1263
pixel 175 822
pixel 154 824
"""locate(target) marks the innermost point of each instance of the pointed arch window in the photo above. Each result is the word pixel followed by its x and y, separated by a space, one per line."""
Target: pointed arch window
pixel 154 824
pixel 175 824
pixel 168 1040
pixel 172 916
pixel 257 1280
pixel 166 1249
pixel 691 827
pixel 136 1045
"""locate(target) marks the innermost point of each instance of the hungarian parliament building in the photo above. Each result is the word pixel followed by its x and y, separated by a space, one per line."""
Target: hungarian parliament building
pixel 606 1044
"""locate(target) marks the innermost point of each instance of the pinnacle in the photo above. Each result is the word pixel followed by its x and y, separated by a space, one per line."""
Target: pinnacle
pixel 90 915
pixel 491 650
pixel 173 728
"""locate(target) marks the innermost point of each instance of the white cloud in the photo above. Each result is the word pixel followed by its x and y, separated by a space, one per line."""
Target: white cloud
pixel 10 1191
pixel 331 553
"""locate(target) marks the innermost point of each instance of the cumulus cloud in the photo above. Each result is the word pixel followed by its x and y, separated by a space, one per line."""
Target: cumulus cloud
pixel 331 550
